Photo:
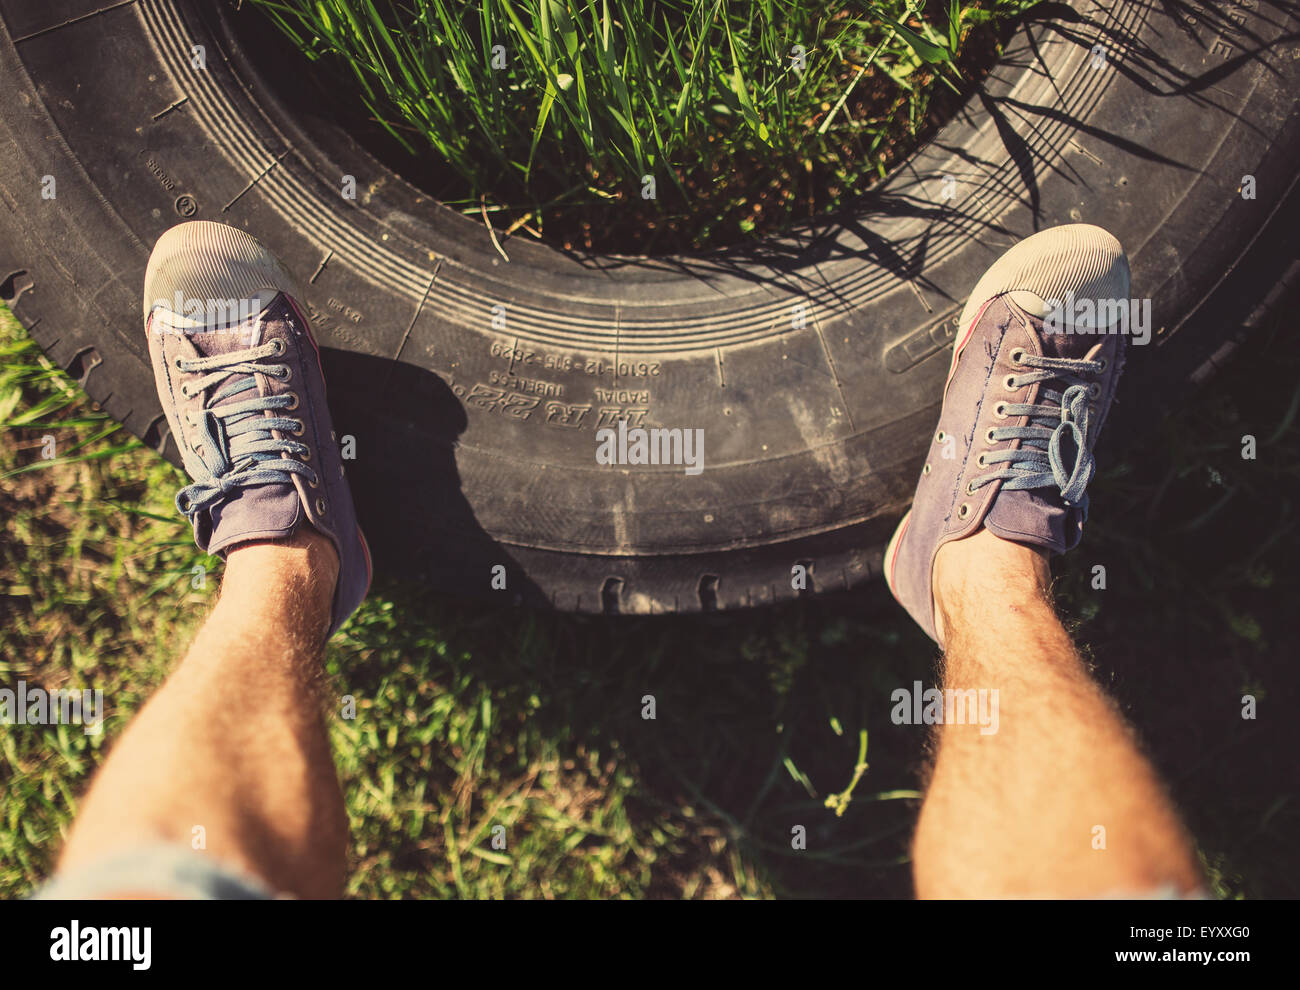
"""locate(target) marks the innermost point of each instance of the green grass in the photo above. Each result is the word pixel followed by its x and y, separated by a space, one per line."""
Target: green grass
pixel 471 716
pixel 744 114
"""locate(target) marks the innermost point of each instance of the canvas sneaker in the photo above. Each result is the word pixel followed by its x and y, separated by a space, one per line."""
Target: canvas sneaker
pixel 240 380
pixel 1031 381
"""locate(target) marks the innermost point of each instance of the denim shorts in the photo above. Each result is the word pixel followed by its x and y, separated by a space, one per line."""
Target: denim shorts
pixel 164 870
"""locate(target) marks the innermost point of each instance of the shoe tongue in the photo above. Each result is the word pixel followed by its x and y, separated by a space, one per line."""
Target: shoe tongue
pixel 1039 516
pixel 1074 343
pixel 258 512
pixel 254 512
pixel 226 340
pixel 1035 516
pixel 213 343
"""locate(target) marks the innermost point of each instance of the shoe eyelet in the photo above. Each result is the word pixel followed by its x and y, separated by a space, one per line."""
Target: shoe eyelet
pixel 963 511
pixel 314 483
pixel 306 455
pixel 300 430
pixel 982 460
pixel 926 469
pixel 1009 383
pixel 970 488
pixel 989 436
pixel 1103 363
pixel 294 405
pixel 185 392
pixel 1017 354
pixel 288 374
pixel 940 437
pixel 1094 390
pixel 320 506
pixel 177 362
pixel 1000 411
pixel 279 345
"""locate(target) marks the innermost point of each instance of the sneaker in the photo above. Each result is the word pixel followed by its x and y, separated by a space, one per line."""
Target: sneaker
pixel 240 379
pixel 1023 405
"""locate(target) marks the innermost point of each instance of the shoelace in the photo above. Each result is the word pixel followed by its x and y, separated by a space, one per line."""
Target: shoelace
pixel 1060 417
pixel 236 434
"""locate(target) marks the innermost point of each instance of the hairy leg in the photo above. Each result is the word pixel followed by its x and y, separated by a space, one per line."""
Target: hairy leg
pixel 234 741
pixel 1014 813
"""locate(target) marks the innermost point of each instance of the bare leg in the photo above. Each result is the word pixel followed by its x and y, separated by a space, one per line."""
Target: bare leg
pixel 234 741
pixel 1014 813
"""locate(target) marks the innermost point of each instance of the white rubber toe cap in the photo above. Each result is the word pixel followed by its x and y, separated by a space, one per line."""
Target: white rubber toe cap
pixel 201 269
pixel 1077 260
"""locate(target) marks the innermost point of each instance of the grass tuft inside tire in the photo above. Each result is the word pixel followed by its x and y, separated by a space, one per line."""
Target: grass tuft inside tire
pixel 695 122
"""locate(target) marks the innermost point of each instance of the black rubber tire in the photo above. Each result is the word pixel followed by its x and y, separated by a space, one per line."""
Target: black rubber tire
pixel 813 364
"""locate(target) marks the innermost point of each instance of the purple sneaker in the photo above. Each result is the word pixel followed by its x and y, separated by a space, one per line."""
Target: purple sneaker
pixel 1039 351
pixel 240 380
